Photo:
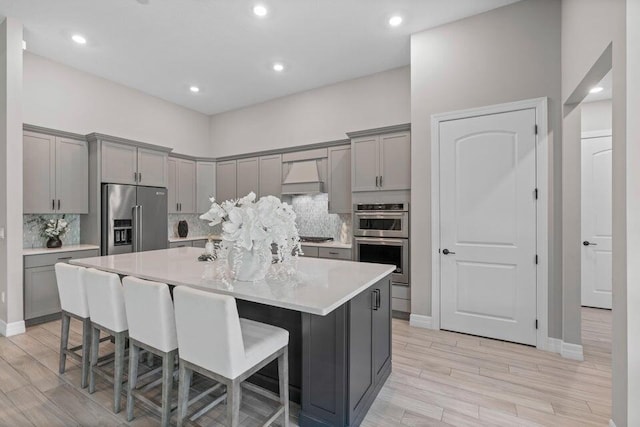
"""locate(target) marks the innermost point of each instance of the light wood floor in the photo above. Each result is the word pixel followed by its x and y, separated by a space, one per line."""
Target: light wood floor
pixel 439 379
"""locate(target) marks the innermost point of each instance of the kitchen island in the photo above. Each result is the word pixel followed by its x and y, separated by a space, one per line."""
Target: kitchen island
pixel 338 314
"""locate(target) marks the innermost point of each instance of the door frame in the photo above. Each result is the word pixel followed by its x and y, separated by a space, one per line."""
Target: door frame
pixel 542 207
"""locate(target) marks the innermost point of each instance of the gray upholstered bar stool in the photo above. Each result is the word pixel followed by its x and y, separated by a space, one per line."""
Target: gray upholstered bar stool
pixel 216 343
pixel 73 301
pixel 152 327
pixel 106 305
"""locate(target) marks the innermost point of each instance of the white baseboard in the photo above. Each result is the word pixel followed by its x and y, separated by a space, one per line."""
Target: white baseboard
pixel 420 321
pixel 565 349
pixel 13 328
pixel 612 424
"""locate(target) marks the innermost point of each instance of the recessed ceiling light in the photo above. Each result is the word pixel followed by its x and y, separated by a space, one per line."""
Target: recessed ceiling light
pixel 396 20
pixel 260 10
pixel 24 45
pixel 79 39
pixel 596 89
pixel 278 67
pixel 194 89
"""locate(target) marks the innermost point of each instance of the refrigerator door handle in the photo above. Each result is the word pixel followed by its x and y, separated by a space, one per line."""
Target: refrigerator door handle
pixel 137 228
pixel 140 225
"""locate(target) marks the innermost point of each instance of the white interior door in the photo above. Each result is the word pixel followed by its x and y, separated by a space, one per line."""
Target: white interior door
pixel 488 226
pixel 596 222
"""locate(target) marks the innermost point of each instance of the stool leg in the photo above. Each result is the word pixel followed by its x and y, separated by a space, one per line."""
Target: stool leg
pixel 167 385
pixel 233 403
pixel 149 359
pixel 134 357
pixel 95 343
pixel 64 341
pixel 283 375
pixel 118 371
pixel 86 348
pixel 184 384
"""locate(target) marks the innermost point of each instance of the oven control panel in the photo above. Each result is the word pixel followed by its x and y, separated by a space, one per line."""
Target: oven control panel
pixel 402 207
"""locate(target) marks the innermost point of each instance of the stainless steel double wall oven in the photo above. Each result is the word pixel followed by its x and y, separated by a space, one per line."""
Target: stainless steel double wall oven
pixel 381 235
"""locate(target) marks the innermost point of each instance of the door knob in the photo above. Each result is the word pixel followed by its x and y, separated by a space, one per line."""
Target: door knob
pixel 447 252
pixel 588 243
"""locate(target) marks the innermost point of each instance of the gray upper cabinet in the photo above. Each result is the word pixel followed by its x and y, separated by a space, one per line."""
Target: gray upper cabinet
pixel 128 164
pixel 205 185
pixel 365 163
pixel 381 162
pixel 270 176
pixel 395 161
pixel 119 163
pixel 247 176
pixel 56 172
pixel 182 186
pixel 152 168
pixel 226 180
pixel 339 180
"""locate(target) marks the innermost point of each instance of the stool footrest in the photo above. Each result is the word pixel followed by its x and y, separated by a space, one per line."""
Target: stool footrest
pixel 209 407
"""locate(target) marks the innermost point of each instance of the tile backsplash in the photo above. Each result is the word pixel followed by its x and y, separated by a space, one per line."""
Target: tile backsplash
pixel 314 219
pixel 31 230
pixel 197 227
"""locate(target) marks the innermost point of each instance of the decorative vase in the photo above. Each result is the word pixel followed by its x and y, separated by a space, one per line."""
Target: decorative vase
pixel 183 228
pixel 249 265
pixel 54 242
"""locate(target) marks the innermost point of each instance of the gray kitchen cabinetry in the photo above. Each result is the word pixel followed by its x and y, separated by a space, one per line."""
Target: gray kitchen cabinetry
pixel 41 300
pixel 205 185
pixel 56 172
pixel 339 177
pixel 270 181
pixel 247 176
pixel 186 244
pixel 381 162
pixel 226 180
pixel 334 253
pixel 128 164
pixel 309 251
pixel 182 186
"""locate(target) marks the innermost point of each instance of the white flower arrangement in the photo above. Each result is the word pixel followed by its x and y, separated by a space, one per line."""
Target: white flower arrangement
pixel 250 226
pixel 54 228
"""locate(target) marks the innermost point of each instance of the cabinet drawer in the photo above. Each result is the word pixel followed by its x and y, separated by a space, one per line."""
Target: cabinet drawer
pixel 40 292
pixel 310 251
pixel 401 291
pixel 403 305
pixel 335 253
pixel 180 245
pixel 199 243
pixel 50 259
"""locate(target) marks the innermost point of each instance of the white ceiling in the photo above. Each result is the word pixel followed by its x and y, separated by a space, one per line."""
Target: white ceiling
pixel 161 47
pixel 607 90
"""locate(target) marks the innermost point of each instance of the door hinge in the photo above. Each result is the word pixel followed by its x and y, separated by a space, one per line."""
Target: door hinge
pixel 535 193
pixel 535 129
pixel 536 259
pixel 536 323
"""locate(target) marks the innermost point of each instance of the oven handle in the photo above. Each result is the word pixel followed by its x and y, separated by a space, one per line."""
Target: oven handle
pixel 381 241
pixel 399 215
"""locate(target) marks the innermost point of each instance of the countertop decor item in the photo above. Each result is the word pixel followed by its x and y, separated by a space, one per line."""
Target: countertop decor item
pixel 183 228
pixel 53 230
pixel 249 229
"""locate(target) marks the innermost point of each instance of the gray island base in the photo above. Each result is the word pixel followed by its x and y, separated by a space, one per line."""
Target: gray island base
pixel 338 315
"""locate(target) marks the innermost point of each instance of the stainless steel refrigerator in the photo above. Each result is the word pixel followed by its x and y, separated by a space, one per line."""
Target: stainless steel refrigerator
pixel 134 218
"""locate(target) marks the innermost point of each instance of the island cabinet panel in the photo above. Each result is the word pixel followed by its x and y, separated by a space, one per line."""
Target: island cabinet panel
pixel 346 358
pixel 226 180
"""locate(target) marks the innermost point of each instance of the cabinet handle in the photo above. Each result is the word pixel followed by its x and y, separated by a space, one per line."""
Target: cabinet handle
pixel 58 204
pixel 64 258
pixel 376 181
pixel 53 204
pixel 177 206
pixel 334 253
pixel 135 177
pixel 380 181
pixel 375 300
pixel 378 302
pixel 139 176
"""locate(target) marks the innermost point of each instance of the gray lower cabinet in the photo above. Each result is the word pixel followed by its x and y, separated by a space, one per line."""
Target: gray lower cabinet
pixel 309 251
pixel 187 244
pixel 199 243
pixel 334 253
pixel 41 300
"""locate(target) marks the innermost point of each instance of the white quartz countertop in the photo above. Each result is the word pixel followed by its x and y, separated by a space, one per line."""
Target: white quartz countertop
pixel 336 245
pixel 192 238
pixel 64 248
pixel 320 286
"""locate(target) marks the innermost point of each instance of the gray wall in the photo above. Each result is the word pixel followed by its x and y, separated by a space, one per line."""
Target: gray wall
pixel 11 171
pixel 60 97
pixel 508 54
pixel 318 115
pixel 596 116
pixel 588 28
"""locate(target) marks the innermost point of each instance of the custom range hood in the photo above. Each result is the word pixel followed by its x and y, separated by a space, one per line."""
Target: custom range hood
pixel 304 172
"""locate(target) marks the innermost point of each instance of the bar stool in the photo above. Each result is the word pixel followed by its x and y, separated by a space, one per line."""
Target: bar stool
pixel 106 305
pixel 216 343
pixel 152 327
pixel 73 301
